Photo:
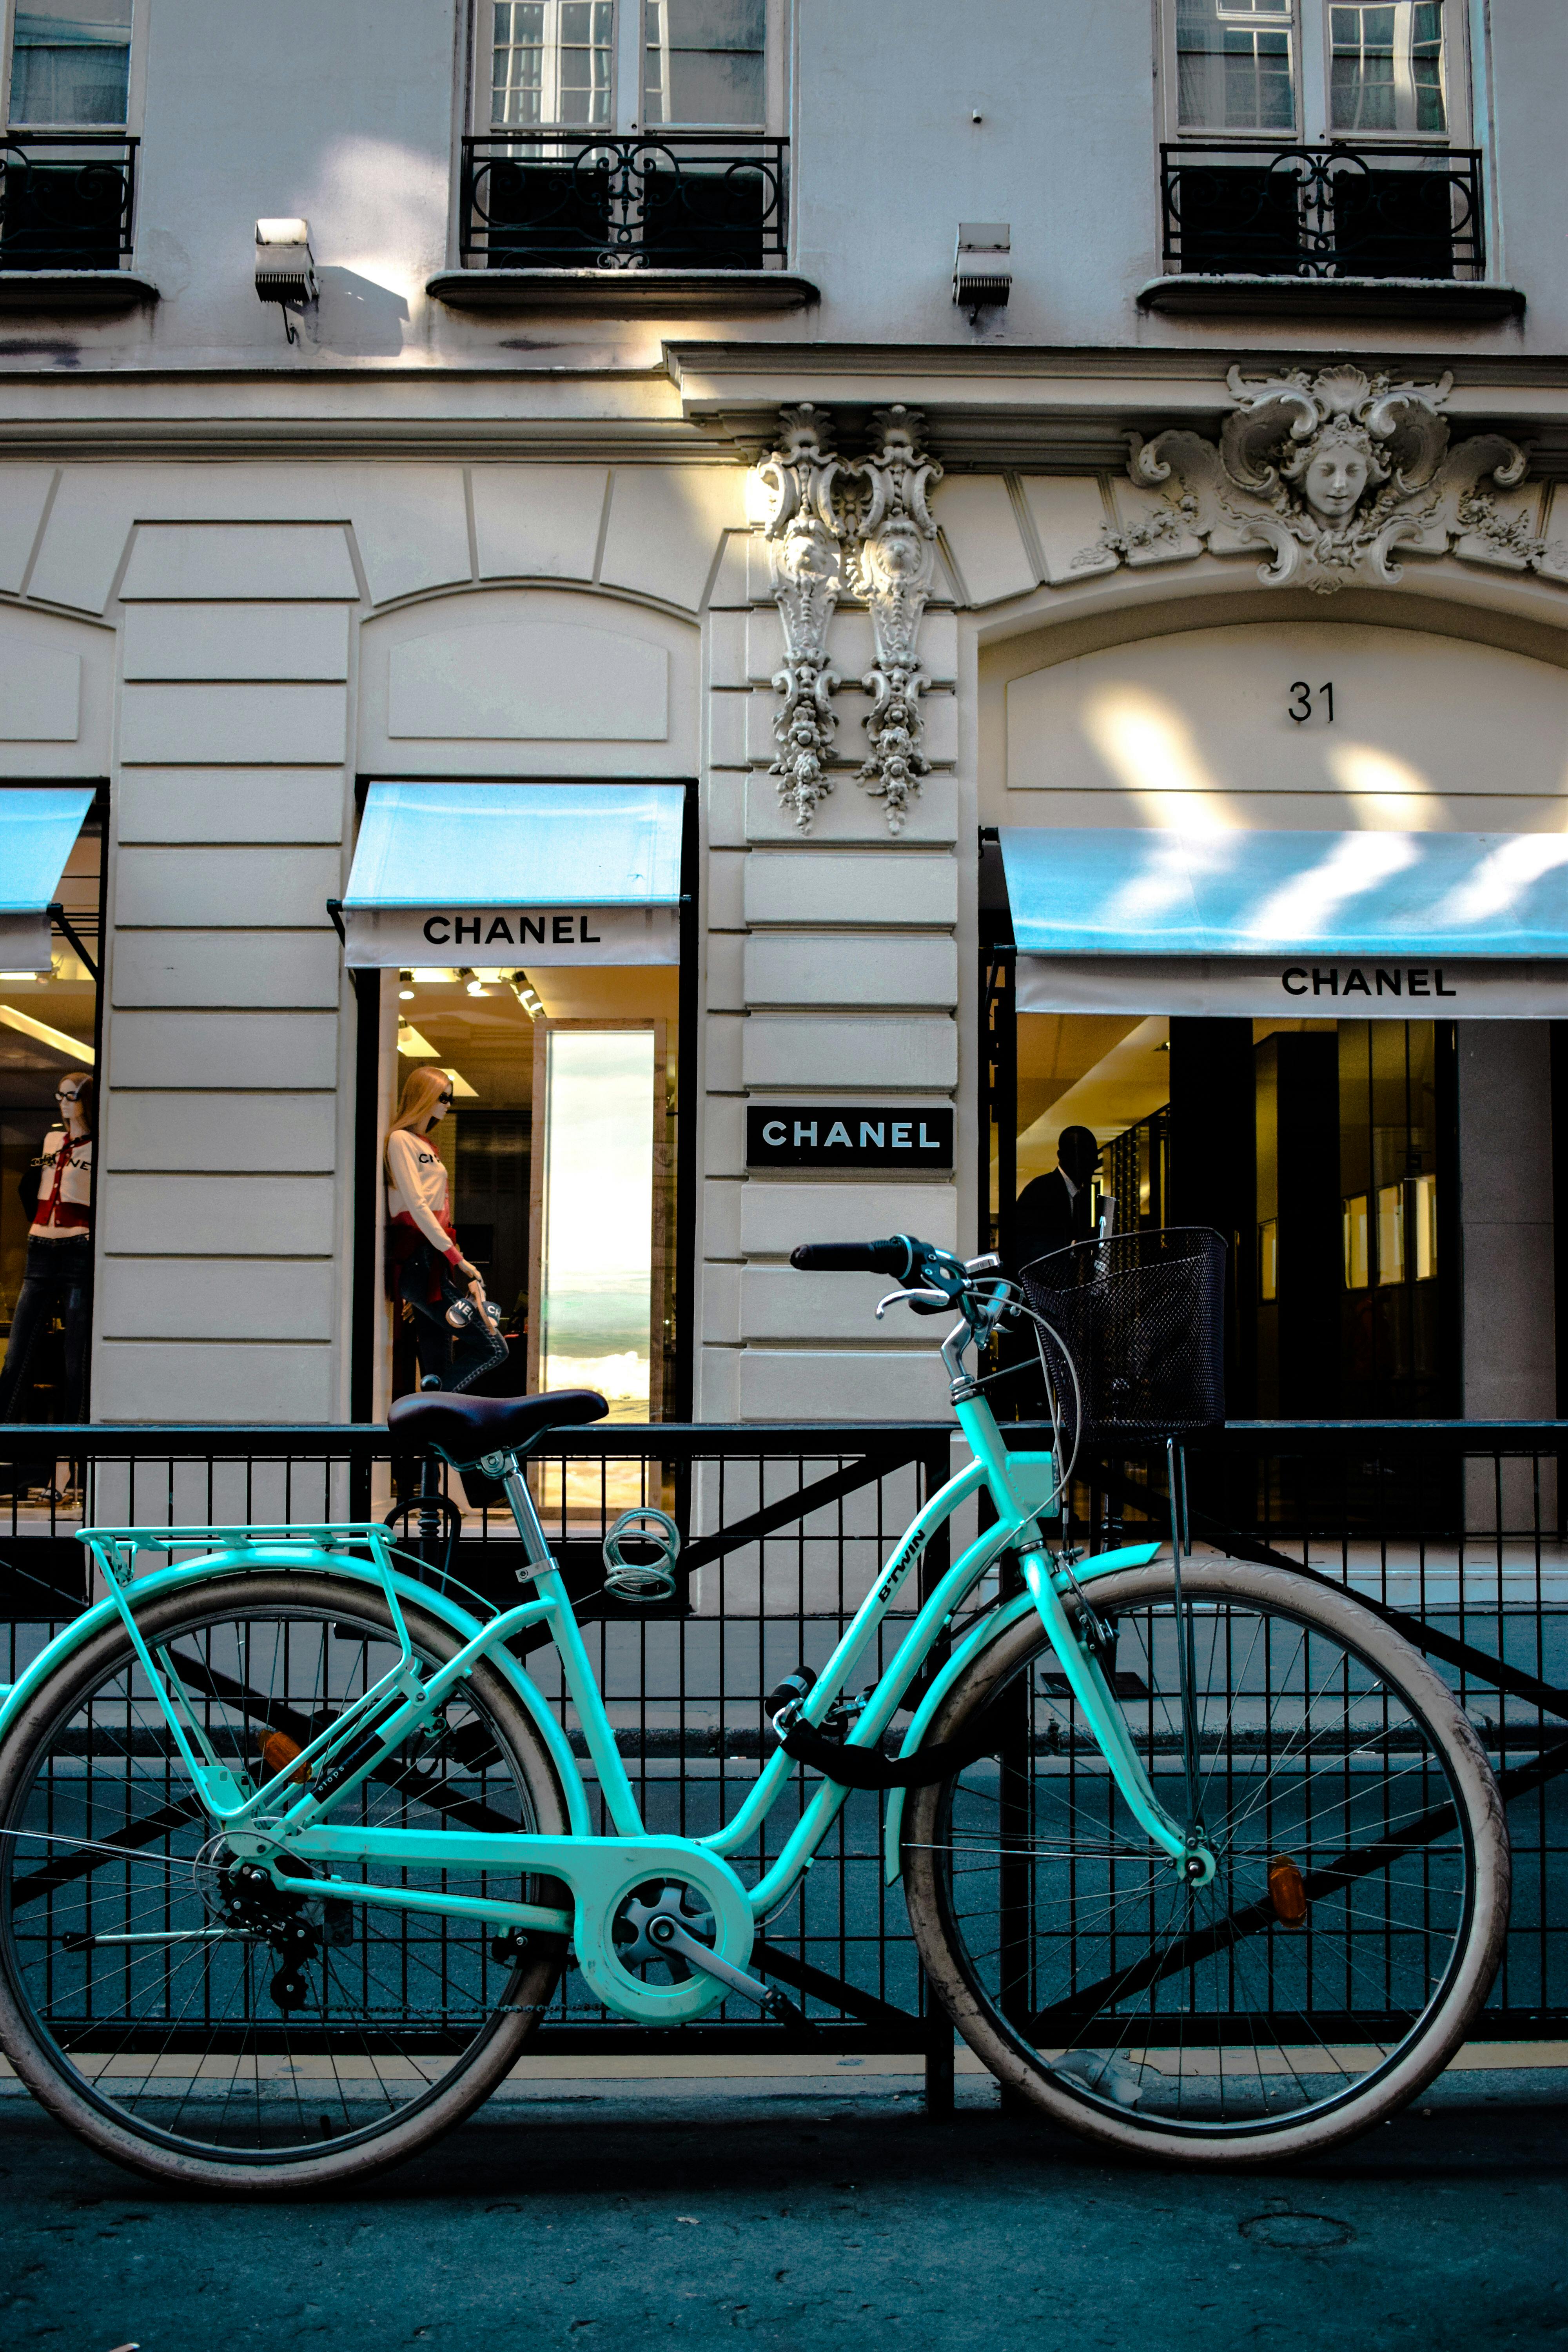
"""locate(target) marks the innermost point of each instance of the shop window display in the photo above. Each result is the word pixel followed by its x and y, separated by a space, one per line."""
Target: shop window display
pixel 47 1191
pixel 529 1166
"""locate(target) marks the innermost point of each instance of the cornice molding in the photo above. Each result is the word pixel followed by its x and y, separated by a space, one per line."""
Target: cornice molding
pixel 1044 410
pixel 1028 408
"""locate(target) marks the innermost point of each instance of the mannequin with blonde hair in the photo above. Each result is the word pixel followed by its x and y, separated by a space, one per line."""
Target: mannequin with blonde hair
pixel 427 1271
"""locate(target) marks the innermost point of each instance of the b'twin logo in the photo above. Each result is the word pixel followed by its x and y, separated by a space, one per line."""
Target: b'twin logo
pixel 898 1567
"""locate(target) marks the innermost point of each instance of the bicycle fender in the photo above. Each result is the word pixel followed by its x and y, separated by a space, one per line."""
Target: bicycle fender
pixel 14 1697
pixel 1102 1564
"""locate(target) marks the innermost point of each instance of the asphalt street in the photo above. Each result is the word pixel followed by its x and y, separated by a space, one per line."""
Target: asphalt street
pixel 816 2210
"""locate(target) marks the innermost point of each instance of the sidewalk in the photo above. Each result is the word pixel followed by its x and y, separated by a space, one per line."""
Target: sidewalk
pixel 799 2210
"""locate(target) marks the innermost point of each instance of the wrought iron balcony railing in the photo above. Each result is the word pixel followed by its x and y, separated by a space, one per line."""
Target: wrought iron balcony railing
pixel 673 200
pixel 1399 210
pixel 67 200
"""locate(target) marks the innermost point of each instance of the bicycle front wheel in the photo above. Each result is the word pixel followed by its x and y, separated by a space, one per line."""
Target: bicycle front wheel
pixel 194 2021
pixel 1349 1937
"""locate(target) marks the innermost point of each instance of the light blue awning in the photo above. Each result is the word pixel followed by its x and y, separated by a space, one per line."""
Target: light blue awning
pixel 38 825
pixel 515 874
pixel 1102 892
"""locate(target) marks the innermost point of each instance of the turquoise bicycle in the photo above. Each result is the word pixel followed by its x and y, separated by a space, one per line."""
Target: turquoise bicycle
pixel 1201 1858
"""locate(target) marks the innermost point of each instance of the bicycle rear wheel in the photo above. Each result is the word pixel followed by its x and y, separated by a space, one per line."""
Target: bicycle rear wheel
pixel 1356 1920
pixel 209 2029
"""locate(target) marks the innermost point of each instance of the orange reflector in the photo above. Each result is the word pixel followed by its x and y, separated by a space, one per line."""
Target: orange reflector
pixel 1287 1890
pixel 278 1750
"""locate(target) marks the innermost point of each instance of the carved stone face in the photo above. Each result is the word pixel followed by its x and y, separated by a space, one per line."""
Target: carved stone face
pixel 899 552
pixel 1335 480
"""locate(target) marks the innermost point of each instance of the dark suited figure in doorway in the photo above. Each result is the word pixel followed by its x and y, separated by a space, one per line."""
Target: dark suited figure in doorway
pixel 1055 1211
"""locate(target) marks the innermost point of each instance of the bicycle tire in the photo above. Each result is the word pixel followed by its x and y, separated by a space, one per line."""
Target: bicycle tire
pixel 1119 2017
pixel 338 2071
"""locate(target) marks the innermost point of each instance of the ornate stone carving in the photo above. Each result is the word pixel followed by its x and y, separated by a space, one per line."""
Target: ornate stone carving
pixel 1333 473
pixel 891 558
pixel 804 537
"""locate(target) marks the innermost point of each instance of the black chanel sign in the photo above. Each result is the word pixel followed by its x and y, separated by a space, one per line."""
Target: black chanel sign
pixel 846 1135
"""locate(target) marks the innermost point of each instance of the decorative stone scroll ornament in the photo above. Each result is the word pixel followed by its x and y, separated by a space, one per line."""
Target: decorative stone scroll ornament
pixel 891 559
pixel 1333 473
pixel 803 536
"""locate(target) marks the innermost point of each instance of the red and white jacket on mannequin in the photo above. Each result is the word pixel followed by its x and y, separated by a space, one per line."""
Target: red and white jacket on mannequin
pixel 65 1192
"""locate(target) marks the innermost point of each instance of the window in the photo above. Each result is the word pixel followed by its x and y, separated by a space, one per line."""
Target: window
pixel 552 61
pixel 1234 68
pixel 703 63
pixel 558 1145
pixel 1387 72
pixel 48 1019
pixel 1315 69
pixel 70 64
pixel 624 136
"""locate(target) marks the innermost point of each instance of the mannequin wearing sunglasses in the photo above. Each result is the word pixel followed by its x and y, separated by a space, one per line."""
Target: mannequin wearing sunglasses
pixel 426 1272
pixel 58 1279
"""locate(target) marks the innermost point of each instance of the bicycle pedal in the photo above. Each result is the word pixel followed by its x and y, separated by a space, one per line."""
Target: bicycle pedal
pixel 786 2012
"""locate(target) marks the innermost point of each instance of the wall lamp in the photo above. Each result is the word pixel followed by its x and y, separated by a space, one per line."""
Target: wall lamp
pixel 286 268
pixel 982 265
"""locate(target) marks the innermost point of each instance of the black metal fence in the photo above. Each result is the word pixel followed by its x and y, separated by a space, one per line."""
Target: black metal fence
pixel 1456 1531
pixel 67 200
pixel 1400 209
pixel 669 200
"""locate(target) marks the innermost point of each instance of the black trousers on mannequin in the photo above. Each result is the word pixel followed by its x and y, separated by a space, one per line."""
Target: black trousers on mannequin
pixel 58 1279
pixel 454 1356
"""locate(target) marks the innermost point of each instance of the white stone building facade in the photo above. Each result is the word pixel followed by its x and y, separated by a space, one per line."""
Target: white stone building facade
pixel 1067 574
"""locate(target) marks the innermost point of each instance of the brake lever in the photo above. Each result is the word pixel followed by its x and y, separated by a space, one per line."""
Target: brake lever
pixel 932 1302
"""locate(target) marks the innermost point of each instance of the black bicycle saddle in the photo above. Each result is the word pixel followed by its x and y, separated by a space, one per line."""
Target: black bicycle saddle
pixel 462 1429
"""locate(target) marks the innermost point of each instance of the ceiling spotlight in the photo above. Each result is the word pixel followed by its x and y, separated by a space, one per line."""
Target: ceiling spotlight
pixel 477 987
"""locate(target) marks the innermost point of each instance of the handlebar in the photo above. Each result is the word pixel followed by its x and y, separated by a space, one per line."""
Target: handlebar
pixel 897 1257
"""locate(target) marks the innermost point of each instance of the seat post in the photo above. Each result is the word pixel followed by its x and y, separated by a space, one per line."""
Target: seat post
pixel 507 1469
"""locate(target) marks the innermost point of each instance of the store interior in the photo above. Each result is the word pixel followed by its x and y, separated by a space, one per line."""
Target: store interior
pixel 1325 1152
pixel 559 1151
pixel 48 1026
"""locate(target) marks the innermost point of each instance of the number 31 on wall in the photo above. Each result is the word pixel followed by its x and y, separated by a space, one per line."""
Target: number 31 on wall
pixel 1303 705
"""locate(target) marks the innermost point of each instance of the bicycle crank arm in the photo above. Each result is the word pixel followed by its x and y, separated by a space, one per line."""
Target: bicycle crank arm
pixel 674 1937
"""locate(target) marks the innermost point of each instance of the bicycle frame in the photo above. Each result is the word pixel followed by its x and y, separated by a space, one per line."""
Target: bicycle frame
pixel 285 1819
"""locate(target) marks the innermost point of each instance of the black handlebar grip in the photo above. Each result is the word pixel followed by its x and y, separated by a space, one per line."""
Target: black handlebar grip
pixel 896 1257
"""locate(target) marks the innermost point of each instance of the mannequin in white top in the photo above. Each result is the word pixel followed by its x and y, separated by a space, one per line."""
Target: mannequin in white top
pixel 426 1270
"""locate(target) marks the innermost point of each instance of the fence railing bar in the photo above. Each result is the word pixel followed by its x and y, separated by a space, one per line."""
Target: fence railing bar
pixel 775 1962
pixel 786 1511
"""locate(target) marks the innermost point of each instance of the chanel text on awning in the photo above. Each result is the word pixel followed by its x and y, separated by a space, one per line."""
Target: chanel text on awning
pixel 1364 980
pixel 510 931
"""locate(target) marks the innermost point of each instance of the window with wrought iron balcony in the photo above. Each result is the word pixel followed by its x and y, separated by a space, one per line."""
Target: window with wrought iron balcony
pixel 627 161
pixel 67 181
pixel 1316 163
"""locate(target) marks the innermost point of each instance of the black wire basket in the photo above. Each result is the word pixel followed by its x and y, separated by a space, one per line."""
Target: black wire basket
pixel 1142 1316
